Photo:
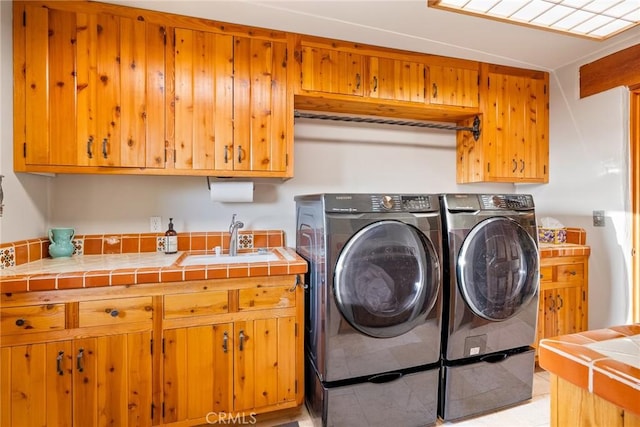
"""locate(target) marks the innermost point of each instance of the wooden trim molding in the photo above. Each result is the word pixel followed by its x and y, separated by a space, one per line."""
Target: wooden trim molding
pixel 618 69
pixel 634 133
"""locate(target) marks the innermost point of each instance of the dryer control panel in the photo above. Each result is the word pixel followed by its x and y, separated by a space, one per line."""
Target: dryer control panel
pixel 506 201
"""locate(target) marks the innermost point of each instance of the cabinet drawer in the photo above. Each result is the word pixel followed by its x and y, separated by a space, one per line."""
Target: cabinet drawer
pixel 263 298
pixel 546 274
pixel 37 318
pixel 573 273
pixel 198 304
pixel 115 311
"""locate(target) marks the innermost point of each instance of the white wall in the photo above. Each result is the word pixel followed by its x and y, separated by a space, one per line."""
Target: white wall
pixel 25 196
pixel 589 170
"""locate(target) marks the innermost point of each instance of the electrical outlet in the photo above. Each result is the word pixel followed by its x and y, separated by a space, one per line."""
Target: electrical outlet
pixel 155 224
pixel 598 218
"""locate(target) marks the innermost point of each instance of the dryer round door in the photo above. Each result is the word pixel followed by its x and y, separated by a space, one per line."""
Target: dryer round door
pixel 387 279
pixel 497 268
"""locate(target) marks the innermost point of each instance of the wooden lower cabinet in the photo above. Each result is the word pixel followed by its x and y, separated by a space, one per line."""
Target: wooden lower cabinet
pixel 563 304
pixel 83 382
pixel 234 369
pixel 180 354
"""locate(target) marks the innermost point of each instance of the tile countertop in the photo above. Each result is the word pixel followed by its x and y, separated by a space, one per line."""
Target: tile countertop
pixel 85 271
pixel 606 362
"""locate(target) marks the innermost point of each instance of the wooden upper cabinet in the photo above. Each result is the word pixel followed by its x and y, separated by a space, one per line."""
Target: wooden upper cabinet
pixel 262 108
pixel 331 70
pixel 514 145
pixel 396 79
pixel 203 100
pixel 92 89
pixel 231 104
pixel 453 85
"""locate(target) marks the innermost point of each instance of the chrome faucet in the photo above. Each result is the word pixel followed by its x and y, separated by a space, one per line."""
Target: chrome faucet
pixel 233 231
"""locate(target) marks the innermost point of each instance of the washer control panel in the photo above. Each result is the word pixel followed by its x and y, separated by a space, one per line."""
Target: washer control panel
pixel 400 203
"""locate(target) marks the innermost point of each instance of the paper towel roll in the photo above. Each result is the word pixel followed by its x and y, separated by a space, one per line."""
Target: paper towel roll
pixel 232 191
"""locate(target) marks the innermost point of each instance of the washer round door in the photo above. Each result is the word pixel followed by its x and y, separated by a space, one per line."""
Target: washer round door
pixel 497 268
pixel 387 279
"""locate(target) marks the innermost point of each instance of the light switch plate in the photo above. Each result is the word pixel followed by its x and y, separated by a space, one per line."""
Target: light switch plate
pixel 598 218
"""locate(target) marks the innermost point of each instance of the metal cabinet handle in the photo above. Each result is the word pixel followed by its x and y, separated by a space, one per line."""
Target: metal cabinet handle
pixel 297 283
pixel 561 302
pixel 20 322
pixel 89 143
pixel 522 165
pixel 225 342
pixel 241 343
pixel 357 80
pixel 573 272
pixel 434 89
pixel 239 153
pixel 59 358
pixel 80 360
pixel 515 165
pixel 375 83
pixel 104 148
pixel 226 154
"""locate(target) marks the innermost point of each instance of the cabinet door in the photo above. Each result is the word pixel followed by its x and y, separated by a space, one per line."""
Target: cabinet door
pixel 94 90
pixel 197 369
pixel 36 385
pixel 563 312
pixel 331 71
pixel 395 79
pixel 454 86
pixel 112 380
pixel 203 100
pixel 515 129
pixel 264 363
pixel 261 105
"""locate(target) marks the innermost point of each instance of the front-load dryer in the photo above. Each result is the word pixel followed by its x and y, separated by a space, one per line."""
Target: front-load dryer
pixel 491 302
pixel 373 306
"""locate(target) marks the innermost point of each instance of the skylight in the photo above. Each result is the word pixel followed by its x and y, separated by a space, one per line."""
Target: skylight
pixel 596 19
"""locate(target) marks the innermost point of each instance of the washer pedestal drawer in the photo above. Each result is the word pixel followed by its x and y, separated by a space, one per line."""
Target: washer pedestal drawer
pixel 470 389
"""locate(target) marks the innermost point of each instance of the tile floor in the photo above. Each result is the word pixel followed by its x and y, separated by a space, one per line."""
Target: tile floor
pixel 534 413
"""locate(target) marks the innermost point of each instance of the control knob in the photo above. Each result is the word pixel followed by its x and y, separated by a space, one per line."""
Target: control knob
pixel 386 202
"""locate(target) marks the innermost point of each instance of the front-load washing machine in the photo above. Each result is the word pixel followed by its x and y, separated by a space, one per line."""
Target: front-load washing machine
pixel 491 302
pixel 373 307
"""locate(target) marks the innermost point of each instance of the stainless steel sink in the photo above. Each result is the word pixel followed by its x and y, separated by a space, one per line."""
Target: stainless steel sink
pixel 251 257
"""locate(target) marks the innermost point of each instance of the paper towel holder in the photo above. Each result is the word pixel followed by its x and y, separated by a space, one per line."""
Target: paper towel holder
pixel 221 180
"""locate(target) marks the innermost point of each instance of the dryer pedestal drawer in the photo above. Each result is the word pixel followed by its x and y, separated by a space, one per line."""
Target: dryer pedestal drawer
pixel 472 389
